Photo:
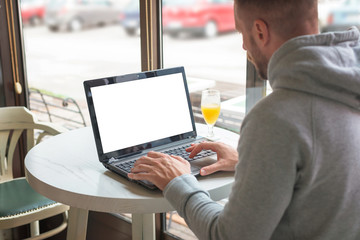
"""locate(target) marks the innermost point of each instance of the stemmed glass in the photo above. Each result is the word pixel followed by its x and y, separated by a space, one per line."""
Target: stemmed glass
pixel 210 108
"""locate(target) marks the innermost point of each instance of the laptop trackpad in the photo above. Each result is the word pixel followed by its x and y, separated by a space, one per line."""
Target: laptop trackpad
pixel 196 165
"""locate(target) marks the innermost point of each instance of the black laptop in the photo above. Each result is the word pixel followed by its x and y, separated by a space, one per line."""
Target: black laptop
pixel 136 113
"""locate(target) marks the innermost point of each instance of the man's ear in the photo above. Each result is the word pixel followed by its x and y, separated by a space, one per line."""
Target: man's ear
pixel 261 33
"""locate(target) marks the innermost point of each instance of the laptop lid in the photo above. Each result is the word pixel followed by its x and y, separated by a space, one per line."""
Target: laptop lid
pixel 140 111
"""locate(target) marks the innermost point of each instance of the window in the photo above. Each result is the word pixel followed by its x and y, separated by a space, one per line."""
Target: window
pixel 69 41
pixel 337 15
pixel 72 41
pixel 201 36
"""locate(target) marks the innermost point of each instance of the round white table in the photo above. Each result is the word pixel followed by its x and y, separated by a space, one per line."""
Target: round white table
pixel 66 169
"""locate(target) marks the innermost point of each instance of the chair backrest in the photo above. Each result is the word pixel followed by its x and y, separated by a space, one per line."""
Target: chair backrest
pixel 13 122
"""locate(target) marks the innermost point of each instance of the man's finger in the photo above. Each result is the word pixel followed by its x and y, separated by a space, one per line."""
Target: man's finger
pixel 155 154
pixel 189 149
pixel 141 168
pixel 177 157
pixel 210 169
pixel 203 146
pixel 144 160
pixel 138 176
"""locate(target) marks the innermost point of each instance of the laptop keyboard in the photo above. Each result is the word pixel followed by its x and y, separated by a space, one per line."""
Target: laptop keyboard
pixel 180 151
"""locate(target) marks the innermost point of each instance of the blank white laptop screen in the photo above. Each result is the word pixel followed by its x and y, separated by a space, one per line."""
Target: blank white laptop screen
pixel 141 111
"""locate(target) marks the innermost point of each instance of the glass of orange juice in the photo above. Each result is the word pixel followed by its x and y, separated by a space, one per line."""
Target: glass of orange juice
pixel 210 108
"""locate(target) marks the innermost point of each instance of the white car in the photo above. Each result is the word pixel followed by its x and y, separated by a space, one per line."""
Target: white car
pixel 74 15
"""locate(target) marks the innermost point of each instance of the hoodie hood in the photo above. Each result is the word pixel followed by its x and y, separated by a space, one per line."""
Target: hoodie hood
pixel 326 65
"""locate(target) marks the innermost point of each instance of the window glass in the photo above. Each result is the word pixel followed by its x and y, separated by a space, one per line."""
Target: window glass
pixel 69 41
pixel 179 2
pixel 335 15
pixel 200 35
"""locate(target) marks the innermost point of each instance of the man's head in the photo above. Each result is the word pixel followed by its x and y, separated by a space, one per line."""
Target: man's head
pixel 267 24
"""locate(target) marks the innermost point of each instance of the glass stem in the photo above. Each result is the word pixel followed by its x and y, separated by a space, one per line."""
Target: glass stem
pixel 210 130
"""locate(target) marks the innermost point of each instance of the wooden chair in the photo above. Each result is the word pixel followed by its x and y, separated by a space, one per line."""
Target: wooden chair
pixel 19 203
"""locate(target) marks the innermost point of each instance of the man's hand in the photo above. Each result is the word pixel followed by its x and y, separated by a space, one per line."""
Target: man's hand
pixel 159 168
pixel 227 157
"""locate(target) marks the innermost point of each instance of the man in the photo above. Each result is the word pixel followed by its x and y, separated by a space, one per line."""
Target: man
pixel 298 173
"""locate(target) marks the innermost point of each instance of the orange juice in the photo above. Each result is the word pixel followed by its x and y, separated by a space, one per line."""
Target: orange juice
pixel 211 113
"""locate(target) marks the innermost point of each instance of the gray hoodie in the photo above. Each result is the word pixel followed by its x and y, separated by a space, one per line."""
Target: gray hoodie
pixel 298 175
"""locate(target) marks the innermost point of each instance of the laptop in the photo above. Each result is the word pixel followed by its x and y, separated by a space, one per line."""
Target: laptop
pixel 136 113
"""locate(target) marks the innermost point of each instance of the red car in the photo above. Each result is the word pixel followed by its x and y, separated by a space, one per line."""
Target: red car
pixel 32 11
pixel 205 17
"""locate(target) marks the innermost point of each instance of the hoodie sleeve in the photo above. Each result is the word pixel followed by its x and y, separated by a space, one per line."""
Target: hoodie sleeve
pixel 264 182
